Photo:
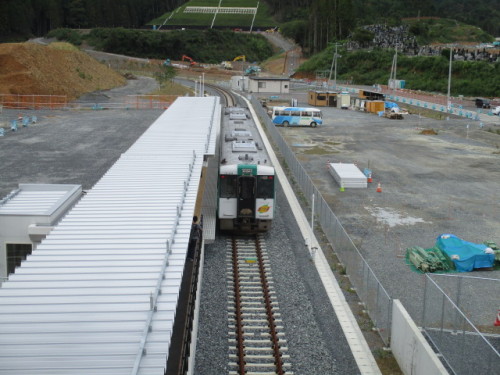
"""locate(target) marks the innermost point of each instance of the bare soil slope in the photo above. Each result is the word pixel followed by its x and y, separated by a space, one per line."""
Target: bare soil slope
pixel 27 68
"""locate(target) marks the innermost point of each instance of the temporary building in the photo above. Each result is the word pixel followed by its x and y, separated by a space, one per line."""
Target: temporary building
pixel 322 98
pixel 375 106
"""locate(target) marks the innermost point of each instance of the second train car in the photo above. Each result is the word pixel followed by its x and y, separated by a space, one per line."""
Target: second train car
pixel 246 186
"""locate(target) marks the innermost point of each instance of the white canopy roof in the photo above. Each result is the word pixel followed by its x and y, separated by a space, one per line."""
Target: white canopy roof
pixel 88 301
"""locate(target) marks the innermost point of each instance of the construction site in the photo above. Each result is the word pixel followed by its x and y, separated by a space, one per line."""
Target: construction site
pixel 429 177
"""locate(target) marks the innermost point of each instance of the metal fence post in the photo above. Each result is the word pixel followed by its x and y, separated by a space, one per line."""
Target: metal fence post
pixel 425 301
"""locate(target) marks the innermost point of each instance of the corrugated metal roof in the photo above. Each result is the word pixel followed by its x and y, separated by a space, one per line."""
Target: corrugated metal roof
pixel 348 175
pixel 36 199
pixel 87 300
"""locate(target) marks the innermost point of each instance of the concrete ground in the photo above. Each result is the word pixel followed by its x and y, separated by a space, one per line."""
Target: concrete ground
pixel 431 184
pixel 71 146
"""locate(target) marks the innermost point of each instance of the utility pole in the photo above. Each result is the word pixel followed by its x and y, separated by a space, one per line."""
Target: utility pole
pixel 203 84
pixel 392 78
pixel 448 101
pixel 334 63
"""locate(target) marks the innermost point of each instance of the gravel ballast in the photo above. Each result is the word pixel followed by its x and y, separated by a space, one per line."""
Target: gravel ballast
pixel 316 343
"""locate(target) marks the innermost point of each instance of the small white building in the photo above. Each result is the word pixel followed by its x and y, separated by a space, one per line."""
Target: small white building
pixel 274 85
pixel 254 84
pixel 239 83
pixel 27 215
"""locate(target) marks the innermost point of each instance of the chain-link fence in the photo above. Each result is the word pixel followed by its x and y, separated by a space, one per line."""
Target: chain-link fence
pixel 368 287
pixel 468 292
pixel 465 349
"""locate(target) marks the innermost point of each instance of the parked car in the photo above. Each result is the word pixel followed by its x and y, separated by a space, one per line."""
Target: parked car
pixel 482 103
pixel 496 110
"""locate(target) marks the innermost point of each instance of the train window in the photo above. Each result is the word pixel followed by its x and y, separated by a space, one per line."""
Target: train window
pixel 265 187
pixel 247 185
pixel 228 186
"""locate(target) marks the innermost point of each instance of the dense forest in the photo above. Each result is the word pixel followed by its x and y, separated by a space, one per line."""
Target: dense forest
pixel 23 18
pixel 316 23
pixel 313 23
pixel 145 43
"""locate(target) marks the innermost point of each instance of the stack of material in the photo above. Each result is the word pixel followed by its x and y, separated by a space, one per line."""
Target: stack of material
pixel 348 175
pixel 428 260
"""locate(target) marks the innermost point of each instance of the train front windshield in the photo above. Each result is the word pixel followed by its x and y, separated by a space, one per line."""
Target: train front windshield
pixel 265 187
pixel 228 186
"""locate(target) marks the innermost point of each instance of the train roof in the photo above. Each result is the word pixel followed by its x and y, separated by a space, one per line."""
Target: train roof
pixel 241 142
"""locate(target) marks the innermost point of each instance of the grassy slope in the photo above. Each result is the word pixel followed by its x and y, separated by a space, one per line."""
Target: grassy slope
pixel 181 19
pixel 444 30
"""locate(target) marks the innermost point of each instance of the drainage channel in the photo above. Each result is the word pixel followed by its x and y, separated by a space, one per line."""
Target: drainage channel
pixel 257 344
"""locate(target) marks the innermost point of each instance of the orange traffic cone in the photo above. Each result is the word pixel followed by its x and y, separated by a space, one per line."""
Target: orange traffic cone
pixel 497 321
pixel 379 188
pixel 370 179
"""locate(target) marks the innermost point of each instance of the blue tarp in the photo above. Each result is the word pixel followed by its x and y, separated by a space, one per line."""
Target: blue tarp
pixel 389 105
pixel 465 255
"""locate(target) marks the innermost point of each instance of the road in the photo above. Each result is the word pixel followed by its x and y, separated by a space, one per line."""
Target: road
pixel 292 51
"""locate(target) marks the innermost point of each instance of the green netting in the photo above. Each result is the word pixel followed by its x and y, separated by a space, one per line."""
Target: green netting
pixel 428 260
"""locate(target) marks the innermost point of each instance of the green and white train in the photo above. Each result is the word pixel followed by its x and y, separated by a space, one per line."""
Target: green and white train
pixel 246 186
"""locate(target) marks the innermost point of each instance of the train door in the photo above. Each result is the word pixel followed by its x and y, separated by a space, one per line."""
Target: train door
pixel 246 196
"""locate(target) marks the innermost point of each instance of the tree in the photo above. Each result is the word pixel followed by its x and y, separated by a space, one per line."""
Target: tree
pixel 165 74
pixel 75 14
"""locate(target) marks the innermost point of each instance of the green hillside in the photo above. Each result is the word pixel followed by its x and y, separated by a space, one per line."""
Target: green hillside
pixel 223 44
pixel 469 78
pixel 442 30
pixel 178 18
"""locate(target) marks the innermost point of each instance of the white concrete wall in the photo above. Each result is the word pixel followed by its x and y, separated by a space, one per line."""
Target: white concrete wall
pixel 239 83
pixel 412 352
pixel 26 228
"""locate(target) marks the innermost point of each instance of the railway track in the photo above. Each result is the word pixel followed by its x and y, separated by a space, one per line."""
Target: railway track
pixel 228 99
pixel 257 343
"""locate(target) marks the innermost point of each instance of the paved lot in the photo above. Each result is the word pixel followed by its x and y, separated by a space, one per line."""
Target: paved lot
pixel 70 146
pixel 431 184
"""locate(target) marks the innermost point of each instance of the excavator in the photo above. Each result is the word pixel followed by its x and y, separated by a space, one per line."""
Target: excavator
pixel 240 57
pixel 228 65
pixel 191 61
pixel 252 70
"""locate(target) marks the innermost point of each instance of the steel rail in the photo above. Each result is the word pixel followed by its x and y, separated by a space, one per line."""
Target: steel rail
pixel 255 309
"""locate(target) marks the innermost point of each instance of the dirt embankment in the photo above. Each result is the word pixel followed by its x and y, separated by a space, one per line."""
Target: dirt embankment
pixel 27 68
